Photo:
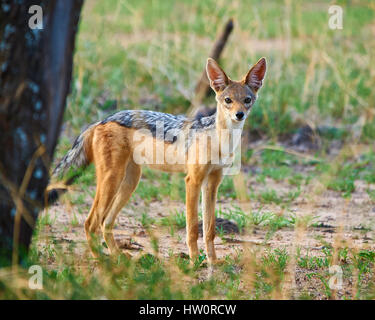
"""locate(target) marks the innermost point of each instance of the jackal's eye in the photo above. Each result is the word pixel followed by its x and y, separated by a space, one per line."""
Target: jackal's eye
pixel 247 100
pixel 228 100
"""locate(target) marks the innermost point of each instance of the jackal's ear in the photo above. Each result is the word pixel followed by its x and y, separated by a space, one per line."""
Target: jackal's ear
pixel 255 76
pixel 218 78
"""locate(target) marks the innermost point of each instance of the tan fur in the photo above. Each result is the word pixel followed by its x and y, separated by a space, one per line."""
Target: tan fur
pixel 110 147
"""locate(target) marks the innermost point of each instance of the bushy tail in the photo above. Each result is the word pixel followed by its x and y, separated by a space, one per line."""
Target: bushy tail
pixel 79 155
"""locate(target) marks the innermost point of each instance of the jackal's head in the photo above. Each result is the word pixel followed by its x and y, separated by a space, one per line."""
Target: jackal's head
pixel 235 98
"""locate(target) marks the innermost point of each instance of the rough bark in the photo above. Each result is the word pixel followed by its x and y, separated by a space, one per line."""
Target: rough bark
pixel 35 75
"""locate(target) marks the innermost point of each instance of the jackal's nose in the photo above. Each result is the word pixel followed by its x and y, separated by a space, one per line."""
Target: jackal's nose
pixel 239 115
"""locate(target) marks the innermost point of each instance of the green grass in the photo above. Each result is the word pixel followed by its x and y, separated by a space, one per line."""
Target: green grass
pixel 278 166
pixel 45 220
pixel 314 262
pixel 226 188
pixel 236 215
pixel 137 69
pixel 343 175
pixel 174 220
pixel 141 54
pixel 141 65
pixel 355 265
pixel 146 220
pixel 272 196
pixel 271 272
pixel 150 277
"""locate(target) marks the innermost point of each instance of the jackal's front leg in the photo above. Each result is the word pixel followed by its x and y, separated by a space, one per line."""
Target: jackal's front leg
pixel 193 186
pixel 209 195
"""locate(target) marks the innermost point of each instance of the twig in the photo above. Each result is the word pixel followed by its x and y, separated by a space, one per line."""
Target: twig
pixel 203 86
pixel 282 149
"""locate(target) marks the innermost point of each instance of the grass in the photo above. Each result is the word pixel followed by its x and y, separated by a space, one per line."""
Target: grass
pixel 236 215
pixel 314 262
pixel 271 196
pixel 151 277
pixel 176 219
pixel 136 69
pixel 146 220
pixel 149 55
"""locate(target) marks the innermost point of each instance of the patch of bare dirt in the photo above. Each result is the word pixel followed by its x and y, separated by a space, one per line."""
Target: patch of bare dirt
pixel 336 222
pixel 352 219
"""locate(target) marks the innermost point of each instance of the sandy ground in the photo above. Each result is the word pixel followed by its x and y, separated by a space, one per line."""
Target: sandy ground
pixel 346 222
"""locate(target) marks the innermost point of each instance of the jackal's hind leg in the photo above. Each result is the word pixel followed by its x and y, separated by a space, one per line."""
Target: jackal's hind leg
pixel 105 195
pixel 110 163
pixel 127 187
pixel 92 224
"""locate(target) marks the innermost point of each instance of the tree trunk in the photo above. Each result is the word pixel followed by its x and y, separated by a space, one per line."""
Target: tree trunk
pixel 35 75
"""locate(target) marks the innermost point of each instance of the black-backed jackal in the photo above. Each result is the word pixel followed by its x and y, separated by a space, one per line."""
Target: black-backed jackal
pixel 123 142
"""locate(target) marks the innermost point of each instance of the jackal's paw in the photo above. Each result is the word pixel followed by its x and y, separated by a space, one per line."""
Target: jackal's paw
pixel 213 266
pixel 216 262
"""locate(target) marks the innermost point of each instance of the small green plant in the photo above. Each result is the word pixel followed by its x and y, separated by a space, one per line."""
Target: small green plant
pixel 227 189
pixel 78 199
pixel 74 221
pixel 311 262
pixel 271 196
pixel 258 218
pixel 220 231
pixel 198 262
pixel 146 220
pixel 277 173
pixel 343 179
pixel 304 221
pixel 235 214
pixel 45 219
pixel 277 259
pixel 176 219
pixel 279 222
pixel 323 279
pixel 371 194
